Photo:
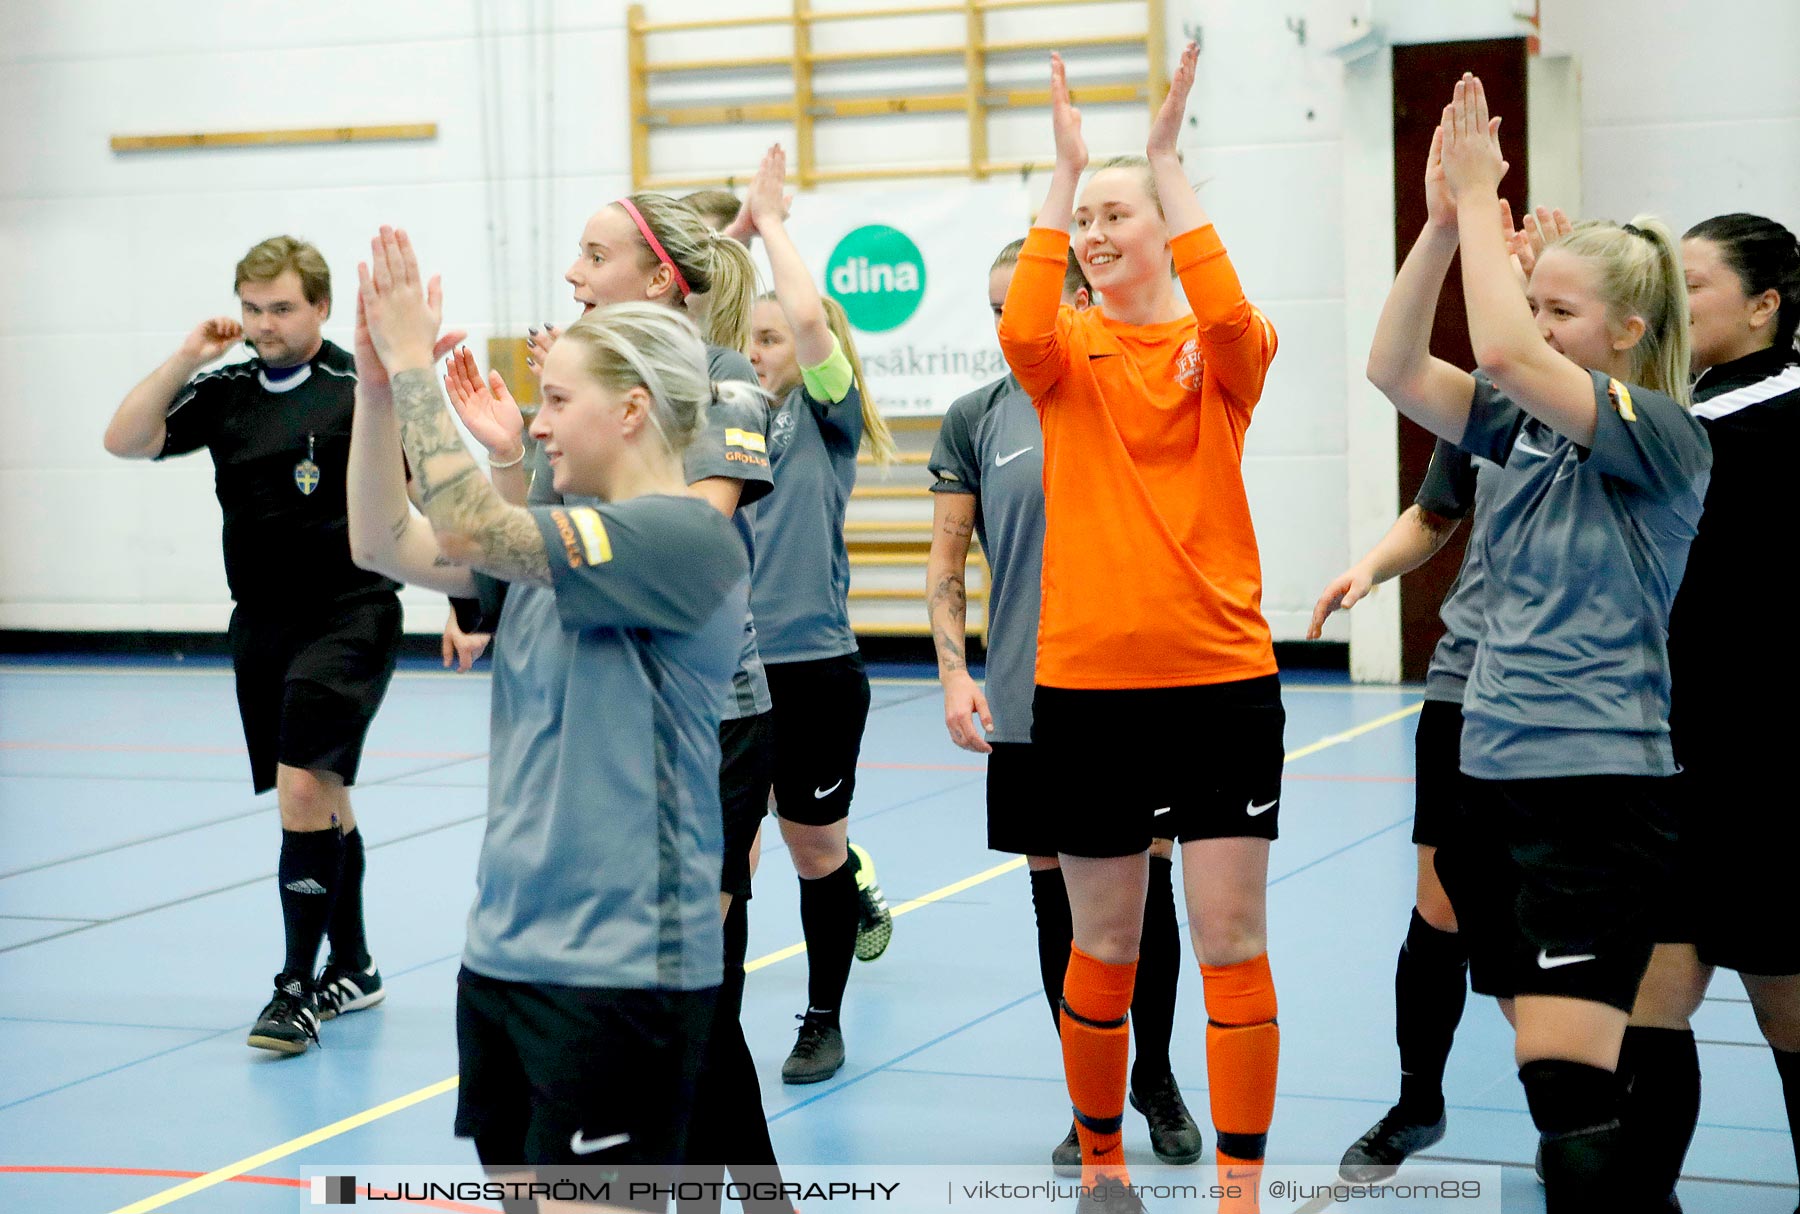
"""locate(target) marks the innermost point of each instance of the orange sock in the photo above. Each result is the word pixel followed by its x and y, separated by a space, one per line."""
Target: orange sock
pixel 1096 1047
pixel 1243 1046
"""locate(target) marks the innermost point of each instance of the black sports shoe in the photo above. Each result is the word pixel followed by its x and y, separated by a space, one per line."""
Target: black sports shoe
pixel 290 1019
pixel 1173 1135
pixel 1378 1154
pixel 874 922
pixel 341 990
pixel 1065 1160
pixel 1109 1196
pixel 817 1053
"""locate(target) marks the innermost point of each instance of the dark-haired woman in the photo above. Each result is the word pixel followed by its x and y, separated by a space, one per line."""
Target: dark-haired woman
pixel 1727 715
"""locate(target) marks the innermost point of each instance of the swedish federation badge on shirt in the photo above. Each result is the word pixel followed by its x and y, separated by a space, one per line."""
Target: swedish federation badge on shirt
pixel 306 473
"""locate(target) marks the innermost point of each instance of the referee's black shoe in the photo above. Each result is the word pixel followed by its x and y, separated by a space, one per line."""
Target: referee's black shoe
pixel 342 990
pixel 290 1020
pixel 818 1053
pixel 1378 1154
pixel 1173 1135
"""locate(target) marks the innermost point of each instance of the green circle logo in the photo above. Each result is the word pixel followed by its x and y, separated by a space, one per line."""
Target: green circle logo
pixel 878 274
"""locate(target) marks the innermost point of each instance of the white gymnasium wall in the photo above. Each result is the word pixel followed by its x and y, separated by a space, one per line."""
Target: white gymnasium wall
pixel 1687 110
pixel 111 259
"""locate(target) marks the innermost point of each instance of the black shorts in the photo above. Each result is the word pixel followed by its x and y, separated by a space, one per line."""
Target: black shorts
pixel 1018 809
pixel 308 683
pixel 820 710
pixel 1439 783
pixel 548 1072
pixel 1184 762
pixel 1739 838
pixel 746 773
pixel 1559 883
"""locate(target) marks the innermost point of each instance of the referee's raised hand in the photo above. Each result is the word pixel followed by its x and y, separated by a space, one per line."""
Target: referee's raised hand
pixel 210 339
pixel 403 315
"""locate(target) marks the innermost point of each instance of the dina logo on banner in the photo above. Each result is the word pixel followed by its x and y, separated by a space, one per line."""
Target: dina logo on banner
pixel 878 274
pixel 334 1190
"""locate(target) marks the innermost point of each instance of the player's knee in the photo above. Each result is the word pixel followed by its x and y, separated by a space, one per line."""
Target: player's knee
pixel 308 800
pixel 1228 939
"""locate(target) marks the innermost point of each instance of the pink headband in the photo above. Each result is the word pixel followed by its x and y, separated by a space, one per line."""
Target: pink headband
pixel 662 254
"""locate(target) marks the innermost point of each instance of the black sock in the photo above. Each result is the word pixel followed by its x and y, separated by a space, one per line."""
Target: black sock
pixel 1787 1062
pixel 1431 983
pixel 1576 1109
pixel 829 910
pixel 1159 968
pixel 1055 934
pixel 307 876
pixel 728 1125
pixel 349 944
pixel 1659 1070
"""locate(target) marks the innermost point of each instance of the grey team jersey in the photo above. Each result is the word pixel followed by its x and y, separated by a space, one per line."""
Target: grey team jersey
pixel 600 865
pixel 1455 484
pixel 800 590
pixel 1586 548
pixel 992 445
pixel 733 443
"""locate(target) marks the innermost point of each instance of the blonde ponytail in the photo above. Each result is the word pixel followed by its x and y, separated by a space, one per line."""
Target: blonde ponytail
pixel 732 299
pixel 1641 275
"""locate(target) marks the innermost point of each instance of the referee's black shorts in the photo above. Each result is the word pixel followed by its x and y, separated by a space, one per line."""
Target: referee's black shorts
pixel 310 681
pixel 1200 762
pixel 1739 839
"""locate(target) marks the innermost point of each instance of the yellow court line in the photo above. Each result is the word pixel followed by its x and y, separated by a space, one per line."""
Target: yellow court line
pixel 251 1162
pixel 232 1170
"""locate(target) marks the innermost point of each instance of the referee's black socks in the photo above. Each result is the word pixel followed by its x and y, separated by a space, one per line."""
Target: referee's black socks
pixel 1659 1070
pixel 349 942
pixel 308 873
pixel 1431 984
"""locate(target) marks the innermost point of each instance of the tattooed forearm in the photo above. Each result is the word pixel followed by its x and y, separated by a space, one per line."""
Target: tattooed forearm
pixel 957 527
pixel 398 529
pixel 473 524
pixel 949 622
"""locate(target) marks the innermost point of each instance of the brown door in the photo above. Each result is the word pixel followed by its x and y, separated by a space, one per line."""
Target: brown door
pixel 1424 76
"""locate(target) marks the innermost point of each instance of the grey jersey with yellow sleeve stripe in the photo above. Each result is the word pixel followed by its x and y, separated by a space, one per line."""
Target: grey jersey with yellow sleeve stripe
pixel 1586 547
pixel 733 442
pixel 991 444
pixel 800 589
pixel 600 863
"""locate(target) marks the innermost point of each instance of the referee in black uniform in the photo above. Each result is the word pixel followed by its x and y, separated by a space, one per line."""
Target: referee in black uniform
pixel 313 638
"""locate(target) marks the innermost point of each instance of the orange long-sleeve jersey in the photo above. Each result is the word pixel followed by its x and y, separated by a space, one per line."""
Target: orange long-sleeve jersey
pixel 1151 574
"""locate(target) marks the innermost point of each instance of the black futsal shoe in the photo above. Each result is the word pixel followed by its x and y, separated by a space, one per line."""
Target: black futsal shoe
pixel 1065 1160
pixel 290 1021
pixel 1109 1196
pixel 342 991
pixel 818 1052
pixel 1378 1154
pixel 1173 1135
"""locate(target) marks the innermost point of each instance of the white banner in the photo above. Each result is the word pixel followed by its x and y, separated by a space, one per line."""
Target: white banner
pixel 910 267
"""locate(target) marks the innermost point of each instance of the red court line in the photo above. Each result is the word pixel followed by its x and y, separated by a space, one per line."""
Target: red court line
pixel 282 1181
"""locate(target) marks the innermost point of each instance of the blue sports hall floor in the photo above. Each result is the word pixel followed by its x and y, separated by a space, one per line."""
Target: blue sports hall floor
pixel 139 929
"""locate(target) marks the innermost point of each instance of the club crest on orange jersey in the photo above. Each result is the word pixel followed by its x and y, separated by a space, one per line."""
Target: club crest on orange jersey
pixel 1187 365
